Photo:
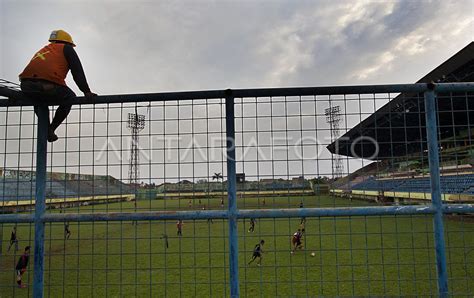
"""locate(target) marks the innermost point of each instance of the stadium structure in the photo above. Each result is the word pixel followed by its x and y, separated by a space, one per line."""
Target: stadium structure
pixel 260 188
pixel 394 140
pixel 359 253
pixel 17 190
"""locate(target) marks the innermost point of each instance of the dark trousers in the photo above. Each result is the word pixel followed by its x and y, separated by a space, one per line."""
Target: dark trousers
pixel 11 244
pixel 41 90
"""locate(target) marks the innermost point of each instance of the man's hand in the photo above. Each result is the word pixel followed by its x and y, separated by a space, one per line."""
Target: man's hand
pixel 90 94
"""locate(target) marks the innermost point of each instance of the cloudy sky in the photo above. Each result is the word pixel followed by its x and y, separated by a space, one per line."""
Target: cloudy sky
pixel 155 46
pixel 152 46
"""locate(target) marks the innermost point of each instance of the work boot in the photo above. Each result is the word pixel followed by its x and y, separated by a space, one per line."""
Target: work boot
pixel 52 137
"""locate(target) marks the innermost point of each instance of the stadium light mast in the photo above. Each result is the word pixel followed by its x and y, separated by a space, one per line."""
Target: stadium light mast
pixel 333 118
pixel 135 123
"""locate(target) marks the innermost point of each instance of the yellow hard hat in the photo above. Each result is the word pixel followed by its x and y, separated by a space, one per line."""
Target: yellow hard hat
pixel 61 35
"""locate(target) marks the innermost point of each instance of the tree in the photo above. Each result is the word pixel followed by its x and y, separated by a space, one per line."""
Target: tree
pixel 217 176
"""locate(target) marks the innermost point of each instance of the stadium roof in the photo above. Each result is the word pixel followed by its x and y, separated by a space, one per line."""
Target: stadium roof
pixel 399 126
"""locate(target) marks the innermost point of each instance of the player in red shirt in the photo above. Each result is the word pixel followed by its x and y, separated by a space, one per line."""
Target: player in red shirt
pixel 21 266
pixel 179 227
pixel 296 240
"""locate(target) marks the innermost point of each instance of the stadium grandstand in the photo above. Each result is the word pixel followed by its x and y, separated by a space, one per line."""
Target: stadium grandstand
pixel 265 186
pixel 17 190
pixel 394 139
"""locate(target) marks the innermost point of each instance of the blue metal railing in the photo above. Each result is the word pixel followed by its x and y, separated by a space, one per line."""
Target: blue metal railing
pixel 40 204
pixel 437 209
pixel 433 155
pixel 232 196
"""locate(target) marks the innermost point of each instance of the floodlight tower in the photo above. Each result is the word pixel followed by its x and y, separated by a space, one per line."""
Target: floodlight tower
pixel 135 123
pixel 333 117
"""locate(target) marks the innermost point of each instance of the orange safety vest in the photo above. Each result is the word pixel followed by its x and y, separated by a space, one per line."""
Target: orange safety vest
pixel 48 64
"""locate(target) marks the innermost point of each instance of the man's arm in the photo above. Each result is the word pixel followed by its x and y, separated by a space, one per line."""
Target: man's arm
pixel 76 69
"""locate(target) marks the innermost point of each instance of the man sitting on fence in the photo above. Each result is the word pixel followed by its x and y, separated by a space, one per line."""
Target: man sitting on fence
pixel 44 77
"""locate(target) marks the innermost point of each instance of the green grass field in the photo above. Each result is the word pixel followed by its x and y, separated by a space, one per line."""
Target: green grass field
pixel 356 256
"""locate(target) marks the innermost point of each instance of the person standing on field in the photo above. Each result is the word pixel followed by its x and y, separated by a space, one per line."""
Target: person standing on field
pixel 303 219
pixel 165 237
pixel 296 241
pixel 252 225
pixel 67 232
pixel 13 239
pixel 257 253
pixel 179 227
pixel 21 266
pixel 44 77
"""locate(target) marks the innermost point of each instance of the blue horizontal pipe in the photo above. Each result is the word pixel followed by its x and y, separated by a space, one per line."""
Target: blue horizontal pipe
pixel 461 208
pixel 454 87
pixel 258 213
pixel 264 92
pixel 17 218
pixel 124 216
pixel 331 212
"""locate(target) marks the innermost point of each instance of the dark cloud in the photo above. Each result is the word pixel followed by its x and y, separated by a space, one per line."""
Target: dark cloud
pixel 153 46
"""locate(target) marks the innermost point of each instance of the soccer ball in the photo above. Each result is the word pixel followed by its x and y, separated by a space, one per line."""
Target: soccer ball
pixel 313 254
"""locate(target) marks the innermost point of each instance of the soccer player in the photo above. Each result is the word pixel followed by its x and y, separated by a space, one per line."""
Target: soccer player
pixel 166 239
pixel 179 227
pixel 67 232
pixel 257 252
pixel 303 219
pixel 252 225
pixel 13 239
pixel 302 227
pixel 222 202
pixel 21 266
pixel 296 241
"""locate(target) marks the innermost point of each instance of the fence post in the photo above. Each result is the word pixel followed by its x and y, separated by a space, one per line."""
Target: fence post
pixel 40 200
pixel 231 194
pixel 433 156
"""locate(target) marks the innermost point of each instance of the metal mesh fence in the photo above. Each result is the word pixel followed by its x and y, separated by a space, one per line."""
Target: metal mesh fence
pixel 332 192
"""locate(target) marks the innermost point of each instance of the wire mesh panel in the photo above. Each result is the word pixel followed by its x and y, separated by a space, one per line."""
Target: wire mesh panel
pixel 287 157
pixel 179 157
pixel 332 188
